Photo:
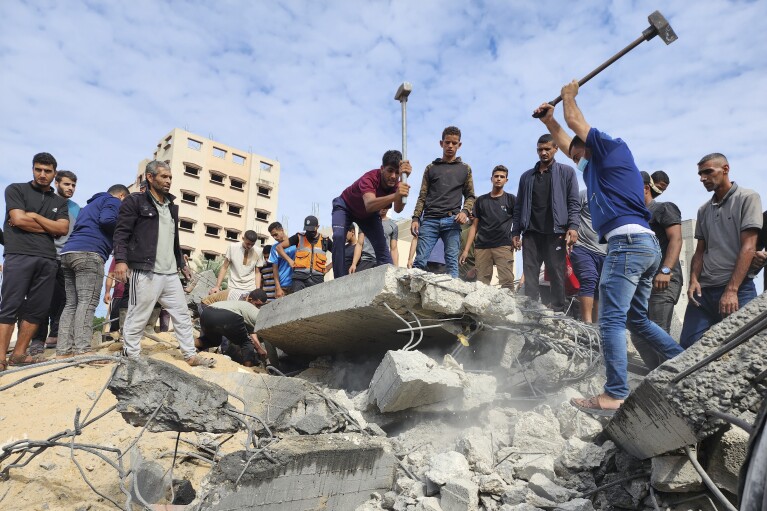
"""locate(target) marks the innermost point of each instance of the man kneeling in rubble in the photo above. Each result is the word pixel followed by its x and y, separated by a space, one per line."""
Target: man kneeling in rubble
pixel 235 321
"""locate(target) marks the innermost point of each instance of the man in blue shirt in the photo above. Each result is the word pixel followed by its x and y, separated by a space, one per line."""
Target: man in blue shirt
pixel 283 284
pixel 619 215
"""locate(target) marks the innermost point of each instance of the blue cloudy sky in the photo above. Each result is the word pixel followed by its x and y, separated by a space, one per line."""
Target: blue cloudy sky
pixel 311 83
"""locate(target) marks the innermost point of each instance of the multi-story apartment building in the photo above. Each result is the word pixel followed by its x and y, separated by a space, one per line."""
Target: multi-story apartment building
pixel 221 191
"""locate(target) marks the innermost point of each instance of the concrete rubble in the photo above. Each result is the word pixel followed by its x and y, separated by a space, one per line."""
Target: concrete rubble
pixel 474 417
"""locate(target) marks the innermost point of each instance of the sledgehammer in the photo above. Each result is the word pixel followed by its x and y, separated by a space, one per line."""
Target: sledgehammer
pixel 658 26
pixel 402 93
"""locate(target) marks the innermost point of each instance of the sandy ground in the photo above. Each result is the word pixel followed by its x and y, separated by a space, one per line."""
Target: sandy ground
pixel 46 405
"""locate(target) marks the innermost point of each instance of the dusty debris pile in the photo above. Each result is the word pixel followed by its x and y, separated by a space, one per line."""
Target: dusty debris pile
pixel 409 391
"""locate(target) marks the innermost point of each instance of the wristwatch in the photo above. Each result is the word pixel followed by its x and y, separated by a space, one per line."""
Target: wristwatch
pixel 665 270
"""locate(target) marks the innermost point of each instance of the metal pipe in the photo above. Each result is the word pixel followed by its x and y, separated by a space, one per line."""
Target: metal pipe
pixel 708 482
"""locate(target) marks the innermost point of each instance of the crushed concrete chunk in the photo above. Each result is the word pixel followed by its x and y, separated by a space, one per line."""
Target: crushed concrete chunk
pixel 428 504
pixel 336 471
pixel 474 443
pixel 535 433
pixel 460 495
pixel 447 465
pixel 515 343
pixel 515 493
pixel 576 505
pixel 727 458
pixel 548 489
pixel 549 368
pixel 575 424
pixel 580 456
pixel 407 379
pixel 523 466
pixel 492 484
pixel 519 507
pixel 189 403
pixel 674 474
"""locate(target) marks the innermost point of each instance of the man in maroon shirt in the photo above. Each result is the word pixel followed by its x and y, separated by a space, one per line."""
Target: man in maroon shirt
pixel 361 202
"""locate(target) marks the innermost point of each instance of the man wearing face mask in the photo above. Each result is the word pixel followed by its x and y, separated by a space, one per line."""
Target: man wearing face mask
pixel 619 215
pixel 310 262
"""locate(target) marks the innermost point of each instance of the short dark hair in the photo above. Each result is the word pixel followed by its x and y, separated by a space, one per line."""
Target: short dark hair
pixel 273 226
pixel 646 179
pixel 61 174
pixel 546 138
pixel 451 130
pixel 391 158
pixel 660 176
pixel 712 156
pixel 250 236
pixel 45 159
pixel 118 189
pixel 267 250
pixel 499 168
pixel 258 295
pixel 574 142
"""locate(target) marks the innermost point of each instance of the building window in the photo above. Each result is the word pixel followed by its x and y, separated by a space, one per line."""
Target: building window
pixel 266 167
pixel 187 251
pixel 236 184
pixel 209 256
pixel 264 191
pixel 188 197
pixel 235 209
pixel 212 230
pixel 186 224
pixel 217 177
pixel 262 216
pixel 232 234
pixel 191 170
pixel 239 160
pixel 193 144
pixel 215 204
pixel 219 153
pixel 261 239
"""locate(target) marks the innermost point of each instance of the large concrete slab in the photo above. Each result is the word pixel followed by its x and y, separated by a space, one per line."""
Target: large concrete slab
pixel 349 315
pixel 660 416
pixel 337 471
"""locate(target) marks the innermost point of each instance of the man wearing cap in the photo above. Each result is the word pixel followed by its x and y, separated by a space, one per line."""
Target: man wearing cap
pixel 310 262
pixel 721 277
pixel 361 203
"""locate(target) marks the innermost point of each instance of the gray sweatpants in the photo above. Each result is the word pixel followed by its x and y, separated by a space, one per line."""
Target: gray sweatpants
pixel 146 289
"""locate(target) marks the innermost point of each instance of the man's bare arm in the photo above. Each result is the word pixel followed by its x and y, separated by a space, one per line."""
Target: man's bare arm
pixel 674 234
pixel 573 115
pixel 19 218
pixel 561 138
pixel 394 251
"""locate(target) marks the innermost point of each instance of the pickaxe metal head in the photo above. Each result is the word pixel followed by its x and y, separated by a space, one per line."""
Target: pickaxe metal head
pixel 403 92
pixel 659 26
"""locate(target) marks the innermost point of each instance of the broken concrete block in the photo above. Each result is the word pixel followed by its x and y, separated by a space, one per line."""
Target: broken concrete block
pixel 336 471
pixel 549 368
pixel 575 505
pixel 492 484
pixel 661 416
pixel 407 379
pixel 519 507
pixel 535 433
pixel 580 456
pixel 515 493
pixel 186 403
pixel 205 281
pixel 474 444
pixel 575 424
pixel 428 504
pixel 515 343
pixel 523 466
pixel 548 489
pixel 492 303
pixel 459 495
pixel 447 465
pixel 727 457
pixel 489 503
pixel 674 474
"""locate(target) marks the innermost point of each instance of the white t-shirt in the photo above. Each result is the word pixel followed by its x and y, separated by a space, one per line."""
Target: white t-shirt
pixel 242 276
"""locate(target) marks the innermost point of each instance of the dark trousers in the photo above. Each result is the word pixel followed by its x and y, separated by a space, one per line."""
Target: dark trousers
pixel 218 324
pixel 660 310
pixel 549 249
pixel 303 280
pixel 27 288
pixel 58 300
pixel 698 319
pixel 371 226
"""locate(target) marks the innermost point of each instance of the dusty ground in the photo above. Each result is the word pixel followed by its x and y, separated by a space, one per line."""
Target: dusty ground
pixel 46 405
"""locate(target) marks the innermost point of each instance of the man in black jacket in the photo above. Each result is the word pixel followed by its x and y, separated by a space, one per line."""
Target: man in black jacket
pixel 546 216
pixel 146 246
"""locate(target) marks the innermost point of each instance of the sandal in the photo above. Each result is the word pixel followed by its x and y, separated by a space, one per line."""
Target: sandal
pixel 26 360
pixel 593 406
pixel 200 361
pixel 3 366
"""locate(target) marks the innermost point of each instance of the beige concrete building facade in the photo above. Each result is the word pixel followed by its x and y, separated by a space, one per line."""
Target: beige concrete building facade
pixel 221 191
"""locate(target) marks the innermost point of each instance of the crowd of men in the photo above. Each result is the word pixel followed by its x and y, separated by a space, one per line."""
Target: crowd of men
pixel 612 247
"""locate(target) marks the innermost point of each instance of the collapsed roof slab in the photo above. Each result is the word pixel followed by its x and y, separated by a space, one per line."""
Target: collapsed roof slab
pixel 668 411
pixel 350 314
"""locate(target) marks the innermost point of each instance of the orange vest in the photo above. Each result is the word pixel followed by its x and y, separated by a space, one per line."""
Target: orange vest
pixel 310 258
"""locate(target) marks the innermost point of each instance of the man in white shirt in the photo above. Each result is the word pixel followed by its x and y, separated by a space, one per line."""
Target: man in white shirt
pixel 243 259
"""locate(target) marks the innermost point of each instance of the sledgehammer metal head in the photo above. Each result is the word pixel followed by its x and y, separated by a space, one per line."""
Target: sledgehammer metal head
pixel 658 26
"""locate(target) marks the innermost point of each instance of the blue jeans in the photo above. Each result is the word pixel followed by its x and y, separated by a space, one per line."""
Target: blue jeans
pixel 370 226
pixel 697 320
pixel 429 230
pixel 624 290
